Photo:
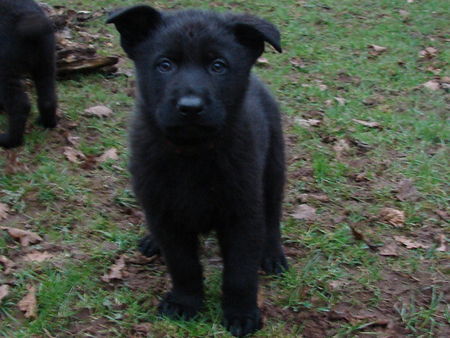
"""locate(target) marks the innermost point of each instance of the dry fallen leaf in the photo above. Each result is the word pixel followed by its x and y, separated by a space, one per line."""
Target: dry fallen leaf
pixel 110 154
pixel 341 147
pixel 28 304
pixel 304 198
pixel 429 53
pixel 376 50
pixel 73 155
pixel 262 61
pixel 403 13
pixel 143 329
pixel 390 249
pixel 392 216
pixel 115 271
pixel 305 212
pixel 410 244
pixel 4 291
pixel 341 101
pixel 25 237
pixel 359 233
pixel 323 87
pixel 99 111
pixel 4 209
pixel 442 243
pixel 308 122
pixel 8 264
pixel 432 85
pixel 443 215
pixel 407 192
pixel 37 256
pixel 368 123
pixel 297 62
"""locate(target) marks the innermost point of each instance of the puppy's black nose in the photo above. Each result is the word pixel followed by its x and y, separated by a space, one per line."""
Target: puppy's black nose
pixel 190 106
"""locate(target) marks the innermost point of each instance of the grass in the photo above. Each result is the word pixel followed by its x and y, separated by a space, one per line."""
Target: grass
pixel 337 285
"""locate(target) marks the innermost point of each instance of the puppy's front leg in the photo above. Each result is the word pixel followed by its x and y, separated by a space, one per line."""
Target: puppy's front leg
pixel 241 245
pixel 180 251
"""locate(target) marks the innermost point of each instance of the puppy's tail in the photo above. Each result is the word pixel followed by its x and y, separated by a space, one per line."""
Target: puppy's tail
pixel 33 25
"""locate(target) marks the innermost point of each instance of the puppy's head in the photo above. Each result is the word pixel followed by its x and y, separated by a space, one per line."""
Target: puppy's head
pixel 192 66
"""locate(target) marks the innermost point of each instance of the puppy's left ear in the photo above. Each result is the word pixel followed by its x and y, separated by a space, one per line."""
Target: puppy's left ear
pixel 252 32
pixel 134 25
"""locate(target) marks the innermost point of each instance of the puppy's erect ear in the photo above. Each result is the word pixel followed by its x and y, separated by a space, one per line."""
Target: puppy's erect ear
pixel 252 31
pixel 134 24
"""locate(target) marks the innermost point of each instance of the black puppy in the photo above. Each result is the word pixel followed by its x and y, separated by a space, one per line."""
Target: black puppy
pixel 26 46
pixel 206 152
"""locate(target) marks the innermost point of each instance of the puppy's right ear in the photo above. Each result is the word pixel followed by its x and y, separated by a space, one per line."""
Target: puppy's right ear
pixel 134 25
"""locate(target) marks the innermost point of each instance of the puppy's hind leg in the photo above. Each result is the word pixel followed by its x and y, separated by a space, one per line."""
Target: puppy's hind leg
pixel 17 106
pixel 44 80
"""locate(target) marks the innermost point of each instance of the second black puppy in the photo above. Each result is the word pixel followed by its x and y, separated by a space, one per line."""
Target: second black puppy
pixel 207 151
pixel 27 46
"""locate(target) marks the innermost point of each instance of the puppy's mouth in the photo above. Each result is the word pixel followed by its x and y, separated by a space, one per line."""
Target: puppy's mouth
pixel 191 135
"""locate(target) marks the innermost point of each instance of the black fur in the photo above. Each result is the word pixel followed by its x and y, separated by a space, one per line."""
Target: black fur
pixel 27 46
pixel 206 152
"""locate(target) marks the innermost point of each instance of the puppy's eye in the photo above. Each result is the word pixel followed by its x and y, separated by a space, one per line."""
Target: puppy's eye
pixel 218 67
pixel 165 66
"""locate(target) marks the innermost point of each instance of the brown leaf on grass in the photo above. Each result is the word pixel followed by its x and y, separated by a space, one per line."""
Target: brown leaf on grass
pixel 262 61
pixel 341 147
pixel 403 13
pixel 25 237
pixel 73 155
pixel 411 244
pixel 143 329
pixel 432 85
pixel 308 122
pixel 442 214
pixel 13 165
pixel 110 154
pixel 4 291
pixel 368 124
pixel 4 210
pixel 305 212
pixel 7 263
pixel 407 192
pixel 297 62
pixel 428 53
pixel 341 101
pixel 375 50
pixel 99 111
pixel 392 216
pixel 28 304
pixel 37 256
pixel 390 249
pixel 442 243
pixel 359 235
pixel 323 87
pixel 115 271
pixel 304 198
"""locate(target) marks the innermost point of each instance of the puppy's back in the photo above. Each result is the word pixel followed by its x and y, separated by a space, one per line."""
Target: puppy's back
pixel 23 28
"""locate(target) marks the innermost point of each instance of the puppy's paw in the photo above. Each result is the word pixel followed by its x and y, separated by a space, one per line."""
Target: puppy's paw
pixel 274 264
pixel 8 142
pixel 240 325
pixel 175 308
pixel 47 122
pixel 148 246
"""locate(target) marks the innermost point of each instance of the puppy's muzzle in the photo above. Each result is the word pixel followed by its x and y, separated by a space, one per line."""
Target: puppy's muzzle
pixel 190 107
